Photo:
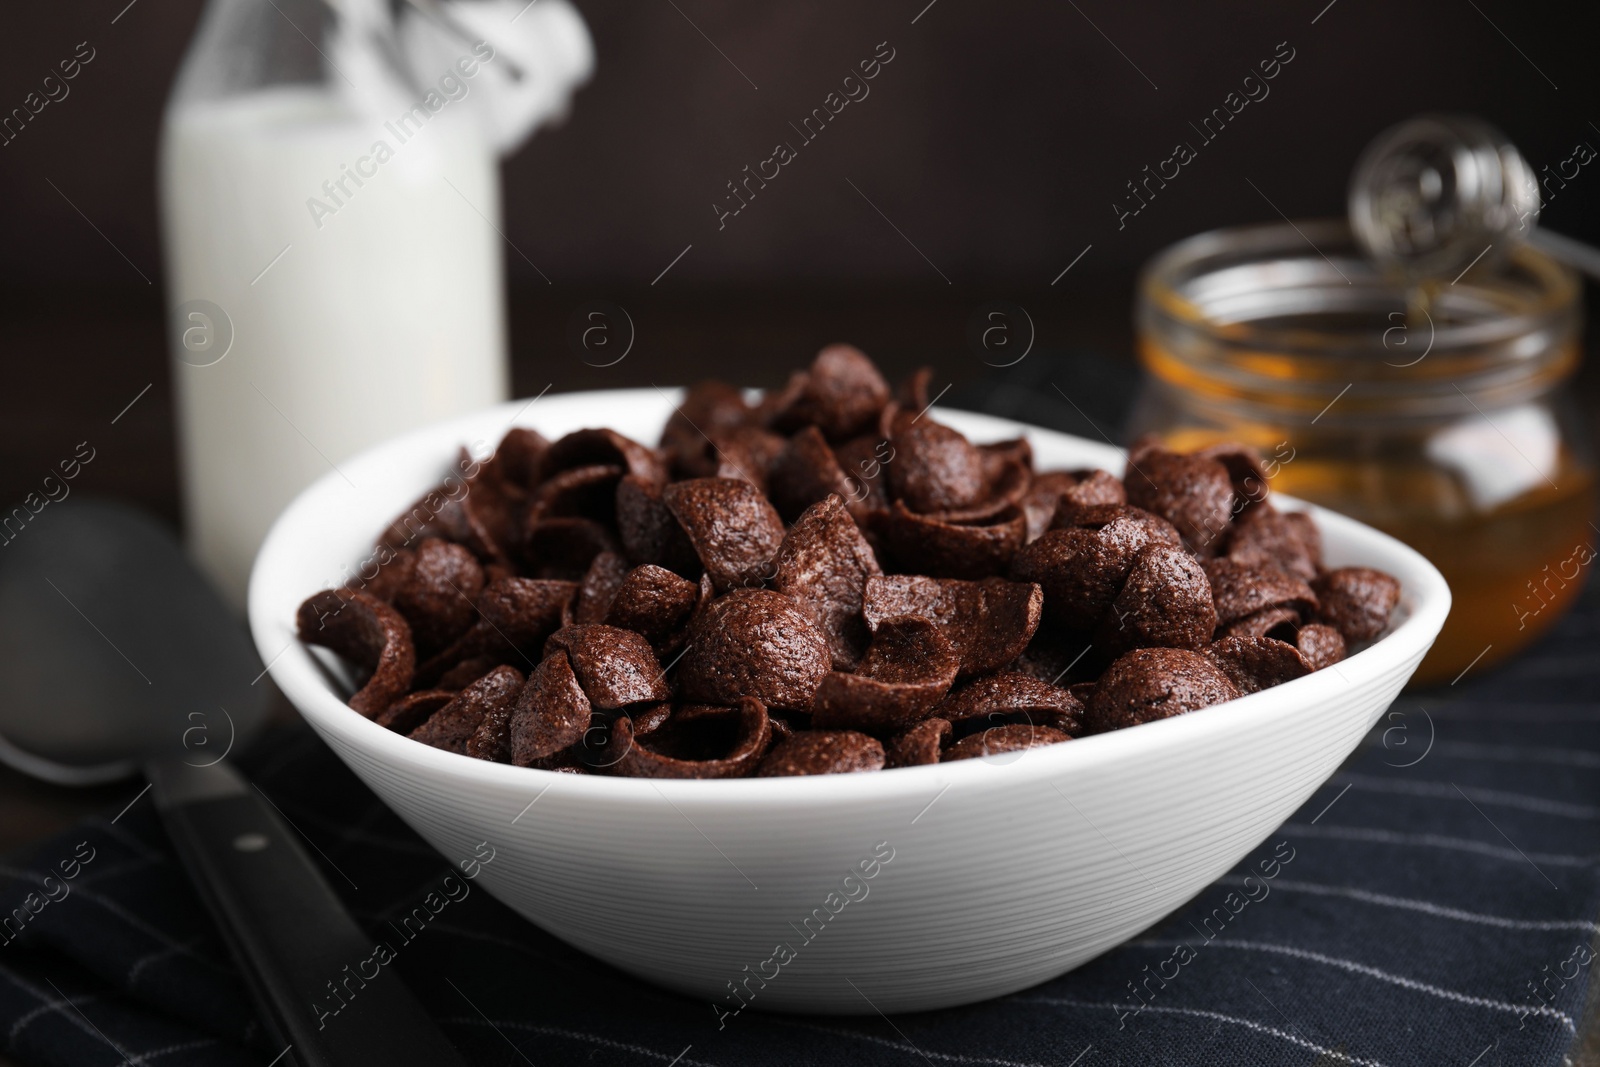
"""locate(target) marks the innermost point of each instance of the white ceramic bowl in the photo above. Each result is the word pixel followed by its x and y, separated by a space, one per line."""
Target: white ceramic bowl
pixel 1003 874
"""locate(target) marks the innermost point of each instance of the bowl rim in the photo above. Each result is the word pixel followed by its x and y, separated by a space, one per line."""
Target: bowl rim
pixel 1425 596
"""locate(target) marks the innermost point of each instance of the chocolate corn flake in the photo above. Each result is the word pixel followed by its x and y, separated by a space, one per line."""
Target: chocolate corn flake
pixel 934 472
pixel 466 672
pixel 413 709
pixel 928 544
pixel 1154 683
pixel 370 634
pixel 648 531
pixel 354 624
pixel 523 612
pixel 489 516
pixel 1123 526
pixel 492 739
pixel 392 570
pixel 1083 563
pixel 913 393
pixel 1007 478
pixel 654 602
pixel 516 459
pixel 919 746
pixel 1097 488
pixel 1079 574
pixel 756 643
pixel 615 667
pixel 823 565
pixel 1278 622
pixel 1010 692
pixel 601 448
pixel 1013 737
pixel 437 596
pixel 515 616
pixel 908 668
pixel 822 752
pixel 1289 541
pixel 1246 471
pixel 695 741
pixel 841 394
pixel 1192 492
pixel 552 712
pixel 988 623
pixel 747 452
pixel 864 461
pixel 1043 496
pixel 999 456
pixel 599 587
pixel 1165 602
pixel 735 531
pixel 1356 601
pixel 705 593
pixel 805 472
pixel 935 468
pixel 1051 491
pixel 910 650
pixel 1320 644
pixel 1256 663
pixel 453 725
pixel 709 408
pixel 1058 656
pixel 437 513
pixel 1241 590
pixel 581 492
pixel 645 719
pixel 562 548
pixel 567 762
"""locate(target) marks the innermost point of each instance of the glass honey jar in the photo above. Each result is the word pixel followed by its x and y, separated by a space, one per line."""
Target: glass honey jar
pixel 1438 413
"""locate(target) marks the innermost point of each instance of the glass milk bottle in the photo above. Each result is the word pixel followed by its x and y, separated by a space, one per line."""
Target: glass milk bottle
pixel 329 217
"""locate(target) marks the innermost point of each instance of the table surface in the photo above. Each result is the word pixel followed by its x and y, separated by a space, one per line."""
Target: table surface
pixel 74 361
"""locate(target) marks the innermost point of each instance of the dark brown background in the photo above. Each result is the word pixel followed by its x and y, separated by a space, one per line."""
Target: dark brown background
pixel 996 140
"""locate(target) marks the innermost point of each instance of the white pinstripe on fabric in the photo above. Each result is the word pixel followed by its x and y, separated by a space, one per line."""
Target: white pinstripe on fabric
pixel 150 931
pixel 157 1053
pixel 1564 757
pixel 159 954
pixel 575 1035
pixel 87 875
pixel 125 838
pixel 1356 967
pixel 1442 841
pixel 1372 783
pixel 1199 1013
pixel 951 1057
pixel 49 1005
pixel 579 1035
pixel 1427 908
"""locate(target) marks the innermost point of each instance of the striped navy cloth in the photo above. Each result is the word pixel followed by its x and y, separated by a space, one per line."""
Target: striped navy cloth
pixel 1433 904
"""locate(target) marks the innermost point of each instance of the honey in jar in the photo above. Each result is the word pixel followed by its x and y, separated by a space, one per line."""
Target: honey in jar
pixel 1436 413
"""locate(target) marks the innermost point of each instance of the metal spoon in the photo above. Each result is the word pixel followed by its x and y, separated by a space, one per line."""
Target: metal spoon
pixel 114 652
pixel 1439 194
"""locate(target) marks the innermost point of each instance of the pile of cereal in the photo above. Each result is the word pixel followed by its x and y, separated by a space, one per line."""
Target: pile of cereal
pixel 826 580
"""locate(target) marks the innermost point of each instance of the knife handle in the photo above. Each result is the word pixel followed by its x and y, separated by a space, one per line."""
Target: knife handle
pixel 311 970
